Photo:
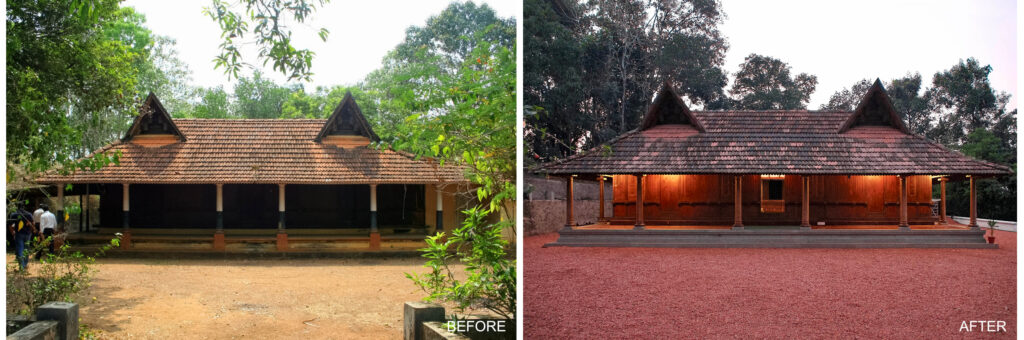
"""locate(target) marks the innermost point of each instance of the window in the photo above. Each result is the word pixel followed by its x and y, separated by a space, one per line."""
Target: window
pixel 772 200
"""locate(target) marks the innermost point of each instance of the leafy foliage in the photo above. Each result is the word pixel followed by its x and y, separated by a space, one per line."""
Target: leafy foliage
pixel 765 83
pixel 270 27
pixel 462 116
pixel 591 67
pixel 61 277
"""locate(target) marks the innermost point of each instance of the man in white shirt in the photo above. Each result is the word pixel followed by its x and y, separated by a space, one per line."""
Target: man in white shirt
pixel 36 214
pixel 48 226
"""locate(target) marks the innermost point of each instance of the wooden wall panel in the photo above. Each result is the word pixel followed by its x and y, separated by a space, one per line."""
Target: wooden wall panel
pixel 708 199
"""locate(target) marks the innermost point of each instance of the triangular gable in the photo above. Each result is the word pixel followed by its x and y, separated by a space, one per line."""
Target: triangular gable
pixel 153 119
pixel 875 109
pixel 347 120
pixel 669 108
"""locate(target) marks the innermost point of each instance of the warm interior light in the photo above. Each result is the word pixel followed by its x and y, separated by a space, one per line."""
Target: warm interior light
pixel 773 176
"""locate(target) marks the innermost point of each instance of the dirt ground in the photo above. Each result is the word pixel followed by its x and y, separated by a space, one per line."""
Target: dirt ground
pixel 254 299
pixel 622 293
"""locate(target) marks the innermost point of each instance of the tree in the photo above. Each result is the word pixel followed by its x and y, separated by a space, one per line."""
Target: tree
pixel 764 83
pixel 965 101
pixel 450 34
pixel 63 68
pixel 460 113
pixel 273 36
pixel 258 97
pixel 591 67
pixel 847 99
pixel 213 103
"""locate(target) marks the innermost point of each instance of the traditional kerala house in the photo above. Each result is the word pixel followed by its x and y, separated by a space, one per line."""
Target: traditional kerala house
pixel 265 180
pixel 773 178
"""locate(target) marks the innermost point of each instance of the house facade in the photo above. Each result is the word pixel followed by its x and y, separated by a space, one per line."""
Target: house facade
pixel 790 178
pixel 253 180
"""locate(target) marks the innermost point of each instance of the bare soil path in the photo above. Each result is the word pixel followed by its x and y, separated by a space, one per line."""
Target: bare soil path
pixel 617 293
pixel 251 299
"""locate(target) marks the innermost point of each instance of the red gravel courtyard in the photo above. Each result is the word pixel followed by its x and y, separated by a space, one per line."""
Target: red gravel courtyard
pixel 766 293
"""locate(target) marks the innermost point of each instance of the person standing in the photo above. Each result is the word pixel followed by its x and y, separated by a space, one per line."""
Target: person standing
pixel 48 227
pixel 39 212
pixel 23 227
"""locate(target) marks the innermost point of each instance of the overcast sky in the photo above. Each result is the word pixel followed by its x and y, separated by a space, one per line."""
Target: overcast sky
pixel 842 42
pixel 361 33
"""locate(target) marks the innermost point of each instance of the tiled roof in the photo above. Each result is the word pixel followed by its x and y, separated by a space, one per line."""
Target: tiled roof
pixel 783 142
pixel 259 151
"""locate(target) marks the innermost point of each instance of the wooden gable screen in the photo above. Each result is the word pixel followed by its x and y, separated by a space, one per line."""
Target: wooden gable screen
pixel 153 126
pixel 347 127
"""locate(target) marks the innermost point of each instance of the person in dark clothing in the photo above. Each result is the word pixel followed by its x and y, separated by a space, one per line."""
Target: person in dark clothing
pixel 23 227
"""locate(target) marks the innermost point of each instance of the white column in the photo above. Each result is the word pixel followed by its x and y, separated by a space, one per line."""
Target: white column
pixel 220 197
pixel 125 215
pixel 373 208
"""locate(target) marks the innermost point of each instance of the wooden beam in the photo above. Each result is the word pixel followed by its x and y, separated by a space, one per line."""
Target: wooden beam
pixel 738 203
pixel 904 225
pixel 60 207
pixel 942 199
pixel 805 207
pixel 974 205
pixel 600 198
pixel 639 202
pixel 220 207
pixel 439 216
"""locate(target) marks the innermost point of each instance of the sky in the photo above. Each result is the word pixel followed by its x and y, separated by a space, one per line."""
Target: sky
pixel 842 42
pixel 361 34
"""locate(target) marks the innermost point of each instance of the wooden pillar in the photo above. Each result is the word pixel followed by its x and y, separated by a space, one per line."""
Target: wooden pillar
pixel 218 236
pixel 805 206
pixel 88 205
pixel 439 216
pixel 81 212
pixel 738 204
pixel 639 202
pixel 942 199
pixel 600 199
pixel 904 225
pixel 60 207
pixel 570 214
pixel 974 205
pixel 282 235
pixel 374 233
pixel 126 232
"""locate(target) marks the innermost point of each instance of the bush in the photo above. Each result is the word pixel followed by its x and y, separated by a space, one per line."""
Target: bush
pixel 491 276
pixel 61 277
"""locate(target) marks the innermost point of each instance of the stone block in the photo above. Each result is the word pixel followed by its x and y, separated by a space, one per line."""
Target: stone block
pixel 416 313
pixel 65 313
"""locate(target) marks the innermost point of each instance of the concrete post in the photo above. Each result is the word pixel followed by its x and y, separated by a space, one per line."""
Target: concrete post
pixel 570 219
pixel 737 223
pixel 805 206
pixel 974 206
pixel 66 316
pixel 374 233
pixel 416 313
pixel 282 236
pixel 218 236
pixel 904 225
pixel 639 202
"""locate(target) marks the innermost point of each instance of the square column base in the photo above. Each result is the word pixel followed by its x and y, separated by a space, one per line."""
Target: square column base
pixel 282 241
pixel 805 227
pixel 218 240
pixel 737 227
pixel 639 227
pixel 375 241
pixel 904 228
pixel 126 239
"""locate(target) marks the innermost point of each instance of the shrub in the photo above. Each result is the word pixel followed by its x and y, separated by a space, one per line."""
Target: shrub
pixel 61 277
